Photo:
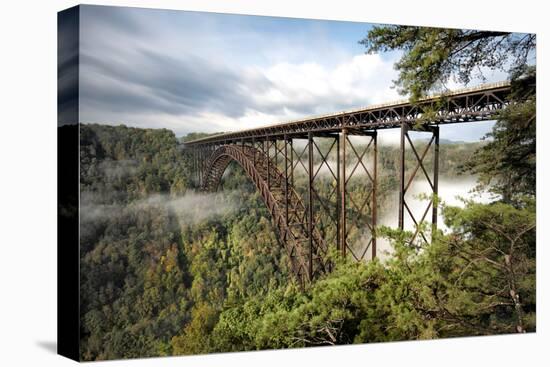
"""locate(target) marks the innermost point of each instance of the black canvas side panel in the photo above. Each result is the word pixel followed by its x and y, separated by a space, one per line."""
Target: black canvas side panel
pixel 68 329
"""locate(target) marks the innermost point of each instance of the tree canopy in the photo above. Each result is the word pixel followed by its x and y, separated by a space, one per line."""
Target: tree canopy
pixel 432 56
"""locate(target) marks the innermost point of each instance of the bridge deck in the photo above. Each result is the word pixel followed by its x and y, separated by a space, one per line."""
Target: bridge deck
pixel 466 105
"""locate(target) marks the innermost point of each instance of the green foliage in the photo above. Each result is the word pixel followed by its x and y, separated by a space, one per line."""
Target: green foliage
pixel 456 286
pixel 154 282
pixel 196 335
pixel 431 56
pixel 331 312
pixel 133 278
pixel 134 275
pixel 493 246
pixel 477 280
pixel 119 163
pixel 507 164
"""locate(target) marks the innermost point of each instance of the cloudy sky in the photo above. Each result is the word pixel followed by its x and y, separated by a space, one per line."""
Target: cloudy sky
pixel 207 72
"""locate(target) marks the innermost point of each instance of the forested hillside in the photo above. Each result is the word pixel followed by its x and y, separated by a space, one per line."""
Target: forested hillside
pixel 168 270
pixel 159 261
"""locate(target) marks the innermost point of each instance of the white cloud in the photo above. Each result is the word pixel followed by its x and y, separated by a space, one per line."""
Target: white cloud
pixel 199 72
pixel 299 90
pixel 293 91
pixel 360 80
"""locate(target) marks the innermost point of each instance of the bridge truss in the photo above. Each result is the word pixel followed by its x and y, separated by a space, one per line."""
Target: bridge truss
pixel 318 176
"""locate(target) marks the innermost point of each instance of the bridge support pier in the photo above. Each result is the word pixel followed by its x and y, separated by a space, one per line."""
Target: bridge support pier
pixel 357 193
pixel 286 173
pixel 405 183
pixel 338 193
pixel 310 202
pixel 342 187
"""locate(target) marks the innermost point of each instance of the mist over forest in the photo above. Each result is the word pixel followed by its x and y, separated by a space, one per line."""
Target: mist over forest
pixel 167 269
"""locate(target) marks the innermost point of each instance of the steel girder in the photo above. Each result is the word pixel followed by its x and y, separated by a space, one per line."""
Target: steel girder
pixel 474 104
pixel 304 245
pixel 432 179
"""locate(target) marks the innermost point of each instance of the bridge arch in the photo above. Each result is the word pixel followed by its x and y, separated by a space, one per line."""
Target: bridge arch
pixel 307 257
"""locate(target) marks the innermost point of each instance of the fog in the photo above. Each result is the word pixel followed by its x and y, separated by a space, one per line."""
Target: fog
pixel 113 170
pixel 194 207
pixel 451 191
pixel 189 209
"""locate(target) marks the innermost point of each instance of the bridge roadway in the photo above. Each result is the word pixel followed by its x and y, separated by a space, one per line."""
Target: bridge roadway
pixel 465 105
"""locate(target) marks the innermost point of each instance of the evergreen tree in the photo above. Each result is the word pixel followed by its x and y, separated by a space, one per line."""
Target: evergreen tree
pixel 432 56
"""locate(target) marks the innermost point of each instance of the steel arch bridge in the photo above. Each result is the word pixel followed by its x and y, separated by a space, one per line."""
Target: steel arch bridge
pixel 305 170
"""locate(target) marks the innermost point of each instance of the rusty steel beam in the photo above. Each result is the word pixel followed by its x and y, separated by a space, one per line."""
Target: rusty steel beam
pixel 436 179
pixel 276 153
pixel 404 129
pixel 343 138
pixel 291 163
pixel 310 201
pixel 432 179
pixel 374 202
pixel 338 192
pixel 305 246
pixel 267 150
pixel 365 211
pixel 325 217
pixel 286 178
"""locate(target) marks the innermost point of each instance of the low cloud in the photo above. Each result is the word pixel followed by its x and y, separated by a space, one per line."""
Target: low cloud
pixel 189 209
pixel 193 208
pixel 112 170
pixel 452 191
